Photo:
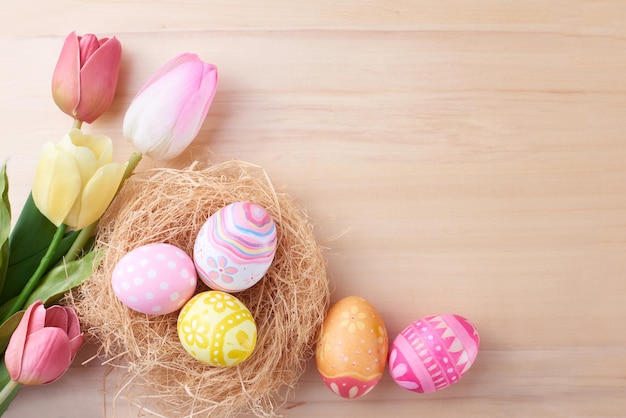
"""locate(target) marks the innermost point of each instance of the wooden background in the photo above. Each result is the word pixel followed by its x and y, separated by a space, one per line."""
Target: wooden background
pixel 457 156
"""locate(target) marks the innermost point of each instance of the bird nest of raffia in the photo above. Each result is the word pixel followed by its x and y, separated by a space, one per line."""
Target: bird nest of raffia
pixel 154 372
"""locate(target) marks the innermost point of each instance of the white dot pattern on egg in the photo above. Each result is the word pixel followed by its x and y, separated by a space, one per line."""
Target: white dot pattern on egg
pixel 154 279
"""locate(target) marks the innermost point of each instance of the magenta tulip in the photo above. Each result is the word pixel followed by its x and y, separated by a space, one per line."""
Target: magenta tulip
pixel 44 344
pixel 85 77
pixel 167 113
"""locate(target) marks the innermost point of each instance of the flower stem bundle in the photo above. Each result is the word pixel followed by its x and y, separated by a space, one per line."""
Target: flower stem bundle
pixel 50 249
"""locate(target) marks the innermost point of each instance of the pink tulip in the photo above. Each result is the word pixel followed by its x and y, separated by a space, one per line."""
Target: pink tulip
pixel 167 113
pixel 85 77
pixel 44 344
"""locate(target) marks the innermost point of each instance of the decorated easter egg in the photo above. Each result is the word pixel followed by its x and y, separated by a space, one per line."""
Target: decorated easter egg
pixel 235 247
pixel 433 353
pixel 154 279
pixel 217 329
pixel 352 350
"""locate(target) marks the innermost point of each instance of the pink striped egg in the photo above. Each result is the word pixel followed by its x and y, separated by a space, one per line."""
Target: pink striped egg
pixel 235 247
pixel 433 353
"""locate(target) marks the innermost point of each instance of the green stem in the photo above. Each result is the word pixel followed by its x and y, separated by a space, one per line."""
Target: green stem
pixel 8 392
pixel 9 388
pixel 133 162
pixel 79 242
pixel 77 124
pixel 41 269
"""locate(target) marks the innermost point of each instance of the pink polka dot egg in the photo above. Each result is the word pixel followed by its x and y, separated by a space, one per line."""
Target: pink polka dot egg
pixel 433 353
pixel 154 279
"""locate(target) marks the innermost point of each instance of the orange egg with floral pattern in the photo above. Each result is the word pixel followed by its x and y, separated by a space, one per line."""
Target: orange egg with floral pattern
pixel 217 329
pixel 351 353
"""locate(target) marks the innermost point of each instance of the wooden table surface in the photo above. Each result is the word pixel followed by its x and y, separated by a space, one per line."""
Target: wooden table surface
pixel 456 156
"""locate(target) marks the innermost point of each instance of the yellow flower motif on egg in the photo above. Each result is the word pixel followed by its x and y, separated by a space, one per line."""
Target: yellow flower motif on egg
pixel 220 301
pixel 245 342
pixel 382 335
pixel 195 332
pixel 353 319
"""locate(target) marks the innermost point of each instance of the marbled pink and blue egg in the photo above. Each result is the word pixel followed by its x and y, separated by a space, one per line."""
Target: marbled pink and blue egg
pixel 154 279
pixel 235 247
pixel 433 353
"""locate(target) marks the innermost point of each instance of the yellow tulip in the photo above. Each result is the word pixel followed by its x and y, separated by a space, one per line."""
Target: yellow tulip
pixel 76 179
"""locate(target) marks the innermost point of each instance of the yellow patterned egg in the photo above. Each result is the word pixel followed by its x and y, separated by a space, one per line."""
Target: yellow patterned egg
pixel 217 329
pixel 351 353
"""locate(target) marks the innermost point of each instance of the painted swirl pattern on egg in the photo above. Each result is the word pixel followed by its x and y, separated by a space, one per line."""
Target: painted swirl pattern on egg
pixel 217 329
pixel 235 247
pixel 433 353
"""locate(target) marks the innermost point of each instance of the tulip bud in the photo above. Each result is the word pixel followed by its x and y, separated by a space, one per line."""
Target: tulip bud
pixel 167 113
pixel 76 180
pixel 85 77
pixel 43 345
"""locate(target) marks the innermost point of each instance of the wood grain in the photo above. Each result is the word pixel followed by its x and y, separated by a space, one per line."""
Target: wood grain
pixel 456 156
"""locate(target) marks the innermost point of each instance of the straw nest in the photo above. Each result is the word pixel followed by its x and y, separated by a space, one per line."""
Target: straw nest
pixel 288 304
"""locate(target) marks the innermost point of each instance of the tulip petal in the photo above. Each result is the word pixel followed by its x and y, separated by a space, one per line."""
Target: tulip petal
pixel 98 81
pixel 73 325
pixel 208 87
pixel 37 318
pixel 96 196
pixel 37 354
pixel 57 184
pixel 73 331
pixel 100 146
pixel 152 116
pixel 87 44
pixel 169 66
pixel 86 161
pixel 65 319
pixel 194 112
pixel 66 76
pixel 56 316
pixel 46 357
pixel 71 220
pixel 75 344
pixel 15 349
pixel 167 113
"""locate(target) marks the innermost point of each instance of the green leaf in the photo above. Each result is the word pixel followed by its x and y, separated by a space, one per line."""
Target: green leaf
pixel 6 306
pixel 6 329
pixel 4 263
pixel 5 224
pixel 63 278
pixel 29 240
